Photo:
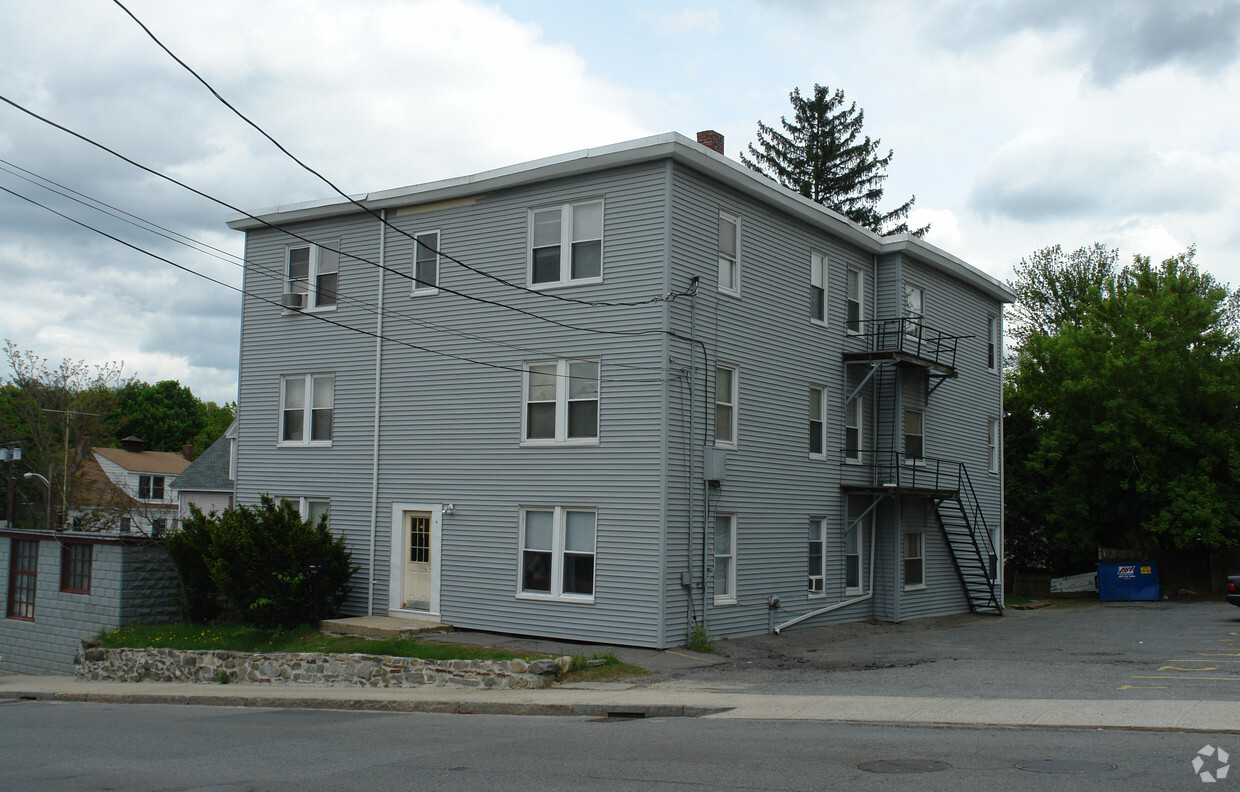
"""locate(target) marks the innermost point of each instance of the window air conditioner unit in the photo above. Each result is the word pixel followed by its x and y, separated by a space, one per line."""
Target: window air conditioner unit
pixel 293 300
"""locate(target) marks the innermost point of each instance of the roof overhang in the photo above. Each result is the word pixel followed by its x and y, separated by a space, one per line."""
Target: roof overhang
pixel 670 146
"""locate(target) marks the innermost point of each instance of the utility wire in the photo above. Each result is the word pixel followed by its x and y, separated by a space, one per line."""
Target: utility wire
pixel 417 242
pixel 197 245
pixel 269 301
pixel 301 238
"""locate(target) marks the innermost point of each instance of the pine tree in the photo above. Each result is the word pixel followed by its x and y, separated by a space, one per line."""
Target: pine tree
pixel 823 155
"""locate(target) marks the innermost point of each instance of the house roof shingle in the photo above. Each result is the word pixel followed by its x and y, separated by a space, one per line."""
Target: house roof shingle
pixel 209 472
pixel 164 463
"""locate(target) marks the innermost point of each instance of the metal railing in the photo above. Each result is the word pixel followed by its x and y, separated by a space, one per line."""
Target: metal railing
pixel 910 336
pixel 897 469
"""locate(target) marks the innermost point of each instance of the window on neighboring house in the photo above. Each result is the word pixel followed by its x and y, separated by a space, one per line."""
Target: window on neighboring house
pixel 852 430
pixel 557 552
pixel 561 402
pixel 75 562
pixel 151 487
pixel 303 420
pixel 818 288
pixel 992 445
pixel 913 310
pixel 313 272
pixel 23 578
pixel 992 343
pixel 576 228
pixel 729 253
pixel 818 422
pixel 126 524
pixel 914 559
pixel 725 406
pixel 725 559
pixel 426 263
pixel 914 435
pixel 817 556
pixel 854 302
pixel 159 526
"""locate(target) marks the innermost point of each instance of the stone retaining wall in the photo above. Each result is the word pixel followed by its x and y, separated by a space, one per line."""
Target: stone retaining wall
pixel 310 668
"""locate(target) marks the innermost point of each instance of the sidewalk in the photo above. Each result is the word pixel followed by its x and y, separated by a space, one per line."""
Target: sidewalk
pixel 621 700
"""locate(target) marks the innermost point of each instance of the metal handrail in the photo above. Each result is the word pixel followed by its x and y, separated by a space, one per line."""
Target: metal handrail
pixel 910 336
pixel 898 469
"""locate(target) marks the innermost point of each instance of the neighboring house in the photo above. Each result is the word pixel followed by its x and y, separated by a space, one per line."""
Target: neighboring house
pixel 61 587
pixel 209 481
pixel 620 393
pixel 137 494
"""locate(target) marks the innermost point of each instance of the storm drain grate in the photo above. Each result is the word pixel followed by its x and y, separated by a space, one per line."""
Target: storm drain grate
pixel 619 716
pixel 903 766
pixel 1069 766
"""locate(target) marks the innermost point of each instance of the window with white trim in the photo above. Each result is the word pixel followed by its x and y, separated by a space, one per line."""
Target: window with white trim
pixel 854 302
pixel 306 409
pixel 566 244
pixel 150 487
pixel 913 552
pixel 818 288
pixel 729 253
pixel 913 309
pixel 818 422
pixel 852 430
pixel 725 559
pixel 557 552
pixel 561 403
pixel 313 509
pixel 816 556
pixel 992 343
pixel 854 552
pixel 914 435
pixel 313 271
pixel 426 263
pixel 726 390
pixel 992 444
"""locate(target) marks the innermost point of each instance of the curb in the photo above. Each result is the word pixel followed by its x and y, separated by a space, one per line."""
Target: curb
pixel 448 706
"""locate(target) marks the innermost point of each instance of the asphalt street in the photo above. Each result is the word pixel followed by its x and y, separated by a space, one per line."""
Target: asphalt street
pixel 63 747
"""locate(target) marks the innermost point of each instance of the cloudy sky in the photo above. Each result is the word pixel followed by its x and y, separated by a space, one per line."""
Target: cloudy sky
pixel 1016 124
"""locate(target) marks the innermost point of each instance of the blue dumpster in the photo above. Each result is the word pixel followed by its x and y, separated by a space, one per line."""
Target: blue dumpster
pixel 1126 581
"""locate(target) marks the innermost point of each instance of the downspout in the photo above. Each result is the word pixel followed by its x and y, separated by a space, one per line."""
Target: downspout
pixel 374 465
pixel 867 595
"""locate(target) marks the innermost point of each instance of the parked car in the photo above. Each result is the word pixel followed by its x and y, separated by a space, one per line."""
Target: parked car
pixel 1233 589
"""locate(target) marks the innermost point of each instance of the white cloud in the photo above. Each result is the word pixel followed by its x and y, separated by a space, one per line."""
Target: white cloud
pixel 683 22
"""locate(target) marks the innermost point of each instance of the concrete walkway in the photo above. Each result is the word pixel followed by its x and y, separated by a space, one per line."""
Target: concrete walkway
pixel 616 699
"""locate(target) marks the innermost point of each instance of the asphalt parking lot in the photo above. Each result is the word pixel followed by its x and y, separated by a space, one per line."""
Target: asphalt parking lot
pixel 1129 650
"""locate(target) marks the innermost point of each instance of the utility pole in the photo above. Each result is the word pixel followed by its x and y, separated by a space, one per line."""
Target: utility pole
pixel 64 484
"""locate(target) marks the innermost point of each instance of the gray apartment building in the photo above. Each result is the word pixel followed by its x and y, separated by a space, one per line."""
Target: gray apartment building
pixel 619 393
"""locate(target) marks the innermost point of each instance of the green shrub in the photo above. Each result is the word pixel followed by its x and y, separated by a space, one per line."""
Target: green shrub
pixel 273 567
pixel 698 639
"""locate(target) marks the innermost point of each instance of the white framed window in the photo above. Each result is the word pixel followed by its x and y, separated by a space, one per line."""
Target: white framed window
pixel 566 244
pixel 818 288
pixel 992 445
pixel 313 272
pixel 426 263
pixel 913 553
pixel 311 509
pixel 557 552
pixel 913 300
pixel 729 253
pixel 726 392
pixel 150 487
pixel 914 436
pixel 854 302
pixel 306 409
pixel 561 403
pixel 852 430
pixel 992 343
pixel 817 422
pixel 725 559
pixel 816 557
pixel 854 555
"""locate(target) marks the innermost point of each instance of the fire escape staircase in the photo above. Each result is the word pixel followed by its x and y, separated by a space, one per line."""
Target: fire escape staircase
pixel 892 343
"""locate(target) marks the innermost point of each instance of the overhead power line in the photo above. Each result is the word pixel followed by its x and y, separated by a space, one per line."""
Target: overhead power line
pixel 417 242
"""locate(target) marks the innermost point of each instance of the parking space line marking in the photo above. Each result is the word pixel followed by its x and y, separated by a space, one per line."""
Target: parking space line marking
pixel 1177 668
pixel 1213 679
pixel 1197 660
pixel 1219 654
pixel 1142 687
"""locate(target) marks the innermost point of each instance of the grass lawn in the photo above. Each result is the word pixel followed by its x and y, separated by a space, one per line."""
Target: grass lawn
pixel 237 638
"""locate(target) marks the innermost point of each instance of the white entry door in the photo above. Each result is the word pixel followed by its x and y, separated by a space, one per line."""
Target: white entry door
pixel 416 594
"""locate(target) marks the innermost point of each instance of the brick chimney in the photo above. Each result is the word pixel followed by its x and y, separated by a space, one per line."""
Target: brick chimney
pixel 187 451
pixel 711 140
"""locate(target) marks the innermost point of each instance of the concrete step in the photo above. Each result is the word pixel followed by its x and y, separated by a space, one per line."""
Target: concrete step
pixel 382 627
